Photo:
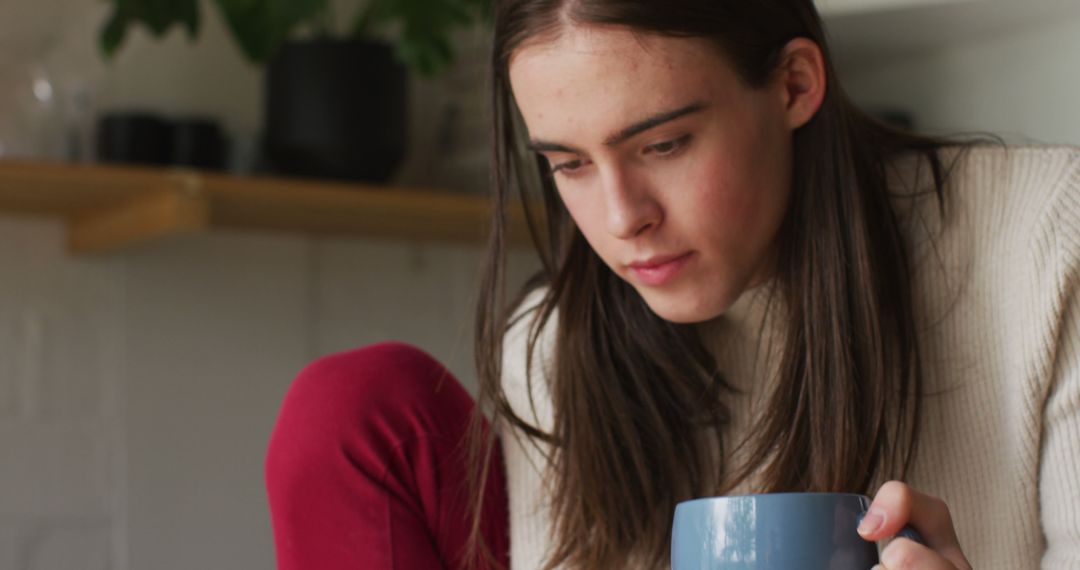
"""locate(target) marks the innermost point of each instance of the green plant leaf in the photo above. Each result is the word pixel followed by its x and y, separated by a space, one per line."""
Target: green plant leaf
pixel 422 28
pixel 261 26
pixel 159 16
pixel 112 35
pixel 190 17
pixel 426 53
pixel 366 20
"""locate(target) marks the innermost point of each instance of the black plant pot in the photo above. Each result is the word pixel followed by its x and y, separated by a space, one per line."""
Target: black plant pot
pixel 336 109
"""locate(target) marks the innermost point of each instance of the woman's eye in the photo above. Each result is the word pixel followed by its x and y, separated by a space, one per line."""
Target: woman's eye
pixel 568 167
pixel 668 148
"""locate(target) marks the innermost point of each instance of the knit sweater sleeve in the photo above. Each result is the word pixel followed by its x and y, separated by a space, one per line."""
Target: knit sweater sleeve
pixel 1059 473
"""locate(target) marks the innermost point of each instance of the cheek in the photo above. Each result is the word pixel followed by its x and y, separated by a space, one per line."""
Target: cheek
pixel 577 207
pixel 587 214
pixel 726 199
pixel 764 172
pixel 739 195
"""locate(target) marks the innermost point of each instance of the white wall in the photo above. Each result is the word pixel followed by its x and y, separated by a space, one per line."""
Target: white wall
pixel 137 391
pixel 1023 85
pixel 62 475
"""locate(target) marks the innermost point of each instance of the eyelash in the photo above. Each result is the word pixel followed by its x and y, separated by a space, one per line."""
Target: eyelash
pixel 677 145
pixel 566 167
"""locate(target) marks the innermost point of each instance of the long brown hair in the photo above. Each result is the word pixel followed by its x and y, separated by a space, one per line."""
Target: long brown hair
pixel 635 397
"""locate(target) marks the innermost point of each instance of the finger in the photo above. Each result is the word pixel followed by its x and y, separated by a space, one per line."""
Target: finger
pixel 904 554
pixel 897 504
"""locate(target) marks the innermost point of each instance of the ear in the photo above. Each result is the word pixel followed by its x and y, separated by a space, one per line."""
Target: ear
pixel 802 81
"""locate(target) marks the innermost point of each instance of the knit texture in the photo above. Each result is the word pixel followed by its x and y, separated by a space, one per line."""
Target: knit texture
pixel 998 314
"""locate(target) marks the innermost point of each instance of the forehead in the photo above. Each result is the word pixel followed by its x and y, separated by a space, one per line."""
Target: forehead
pixel 590 78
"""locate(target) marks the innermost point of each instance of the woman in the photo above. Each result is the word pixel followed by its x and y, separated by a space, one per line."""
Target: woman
pixel 748 286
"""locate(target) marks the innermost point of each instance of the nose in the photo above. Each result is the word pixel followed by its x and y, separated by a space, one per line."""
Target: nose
pixel 630 205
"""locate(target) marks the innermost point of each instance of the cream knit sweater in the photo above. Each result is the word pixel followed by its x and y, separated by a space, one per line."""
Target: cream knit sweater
pixel 999 314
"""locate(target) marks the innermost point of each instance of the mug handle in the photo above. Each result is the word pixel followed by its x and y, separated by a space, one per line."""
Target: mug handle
pixel 907 532
pixel 911 534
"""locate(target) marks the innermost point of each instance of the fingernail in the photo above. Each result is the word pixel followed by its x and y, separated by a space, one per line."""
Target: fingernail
pixel 871 522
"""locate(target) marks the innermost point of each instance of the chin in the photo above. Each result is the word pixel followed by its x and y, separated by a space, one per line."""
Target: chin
pixel 681 309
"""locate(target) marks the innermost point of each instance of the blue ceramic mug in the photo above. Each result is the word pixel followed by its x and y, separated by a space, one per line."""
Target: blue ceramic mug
pixel 782 531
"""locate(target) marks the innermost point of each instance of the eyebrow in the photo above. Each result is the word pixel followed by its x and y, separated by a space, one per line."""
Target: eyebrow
pixel 626 133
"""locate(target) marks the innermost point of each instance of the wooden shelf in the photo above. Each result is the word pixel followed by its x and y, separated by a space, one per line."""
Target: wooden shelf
pixel 109 208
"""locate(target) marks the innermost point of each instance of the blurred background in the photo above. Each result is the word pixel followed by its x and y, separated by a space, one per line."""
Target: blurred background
pixel 139 378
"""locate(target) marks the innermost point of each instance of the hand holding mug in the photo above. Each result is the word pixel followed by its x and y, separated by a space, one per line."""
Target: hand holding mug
pixel 897 505
pixel 815 531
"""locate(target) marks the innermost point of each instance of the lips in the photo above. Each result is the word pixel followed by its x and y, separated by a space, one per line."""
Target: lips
pixel 656 261
pixel 660 269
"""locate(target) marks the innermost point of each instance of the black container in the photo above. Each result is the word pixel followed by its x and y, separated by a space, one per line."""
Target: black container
pixel 145 138
pixel 198 143
pixel 336 109
pixel 134 138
